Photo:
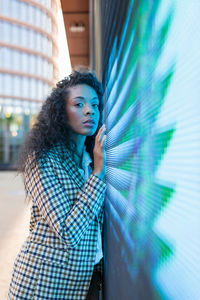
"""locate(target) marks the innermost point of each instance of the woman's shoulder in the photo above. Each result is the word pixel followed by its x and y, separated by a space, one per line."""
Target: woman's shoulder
pixel 57 152
pixel 53 157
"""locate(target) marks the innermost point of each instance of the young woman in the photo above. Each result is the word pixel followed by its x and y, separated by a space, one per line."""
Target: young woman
pixel 63 163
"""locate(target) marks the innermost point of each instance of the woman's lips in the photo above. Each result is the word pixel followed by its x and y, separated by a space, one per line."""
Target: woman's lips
pixel 89 124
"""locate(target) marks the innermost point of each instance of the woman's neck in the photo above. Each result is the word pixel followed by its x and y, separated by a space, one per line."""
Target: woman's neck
pixel 80 143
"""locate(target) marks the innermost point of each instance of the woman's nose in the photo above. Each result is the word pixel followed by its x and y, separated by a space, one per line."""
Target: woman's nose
pixel 89 109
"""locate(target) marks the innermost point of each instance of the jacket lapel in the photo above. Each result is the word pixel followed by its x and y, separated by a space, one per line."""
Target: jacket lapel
pixel 69 165
pixel 72 169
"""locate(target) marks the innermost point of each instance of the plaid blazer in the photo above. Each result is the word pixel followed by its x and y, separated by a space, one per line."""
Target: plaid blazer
pixel 57 259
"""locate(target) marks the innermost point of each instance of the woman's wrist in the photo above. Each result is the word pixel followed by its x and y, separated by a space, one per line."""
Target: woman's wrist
pixel 99 174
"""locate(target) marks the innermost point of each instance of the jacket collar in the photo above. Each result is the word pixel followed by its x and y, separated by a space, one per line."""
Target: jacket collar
pixel 69 164
pixel 86 160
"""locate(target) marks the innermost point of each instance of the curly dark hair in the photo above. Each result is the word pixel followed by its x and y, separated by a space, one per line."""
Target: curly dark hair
pixel 51 126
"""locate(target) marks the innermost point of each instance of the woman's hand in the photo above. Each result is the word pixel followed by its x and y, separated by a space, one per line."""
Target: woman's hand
pixel 100 153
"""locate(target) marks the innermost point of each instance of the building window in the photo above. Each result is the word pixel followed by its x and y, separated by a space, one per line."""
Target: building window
pixel 1 6
pixel 33 88
pixel 44 44
pixel 39 66
pixel 50 48
pixel 1 27
pixel 24 36
pixel 31 14
pixel 5 7
pixel 25 62
pixel 25 87
pixel 7 58
pixel 14 8
pixel 37 41
pixel 1 84
pixel 50 71
pixel 17 60
pixel 6 32
pixel 23 11
pixel 49 24
pixel 32 39
pixel 45 64
pixel 17 88
pixel 38 16
pixel 46 90
pixel 15 34
pixel 8 85
pixel 32 64
pixel 40 90
pixel 44 21
pixel 1 57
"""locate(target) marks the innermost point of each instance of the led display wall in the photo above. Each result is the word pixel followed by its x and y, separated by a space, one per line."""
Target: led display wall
pixel 151 67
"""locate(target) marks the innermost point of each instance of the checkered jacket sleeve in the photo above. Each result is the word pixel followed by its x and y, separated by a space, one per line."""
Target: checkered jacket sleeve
pixel 69 222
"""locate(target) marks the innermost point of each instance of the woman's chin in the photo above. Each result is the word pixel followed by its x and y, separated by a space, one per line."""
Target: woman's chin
pixel 88 131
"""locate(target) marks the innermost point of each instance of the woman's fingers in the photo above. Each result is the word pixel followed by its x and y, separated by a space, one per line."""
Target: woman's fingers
pixel 99 151
pixel 100 133
pixel 100 138
pixel 101 129
pixel 102 142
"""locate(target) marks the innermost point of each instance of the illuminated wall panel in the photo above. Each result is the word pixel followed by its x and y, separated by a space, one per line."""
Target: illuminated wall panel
pixel 151 65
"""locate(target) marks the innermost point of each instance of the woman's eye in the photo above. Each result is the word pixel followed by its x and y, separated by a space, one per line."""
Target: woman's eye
pixel 79 104
pixel 96 105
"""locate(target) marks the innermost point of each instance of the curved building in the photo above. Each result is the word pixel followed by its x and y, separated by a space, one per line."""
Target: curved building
pixel 28 68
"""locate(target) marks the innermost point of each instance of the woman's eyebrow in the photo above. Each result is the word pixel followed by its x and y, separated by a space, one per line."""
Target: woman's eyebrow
pixel 80 97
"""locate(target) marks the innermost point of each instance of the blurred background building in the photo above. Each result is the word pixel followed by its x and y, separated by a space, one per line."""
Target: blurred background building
pixel 39 42
pixel 28 68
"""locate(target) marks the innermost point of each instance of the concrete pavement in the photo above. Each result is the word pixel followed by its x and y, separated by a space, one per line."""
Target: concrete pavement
pixel 14 225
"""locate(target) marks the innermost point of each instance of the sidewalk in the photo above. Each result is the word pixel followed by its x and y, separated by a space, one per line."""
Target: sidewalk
pixel 14 225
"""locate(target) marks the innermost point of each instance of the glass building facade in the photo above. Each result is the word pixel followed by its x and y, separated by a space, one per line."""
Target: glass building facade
pixel 28 68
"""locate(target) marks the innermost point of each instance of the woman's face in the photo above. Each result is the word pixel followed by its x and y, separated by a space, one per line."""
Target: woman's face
pixel 82 105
